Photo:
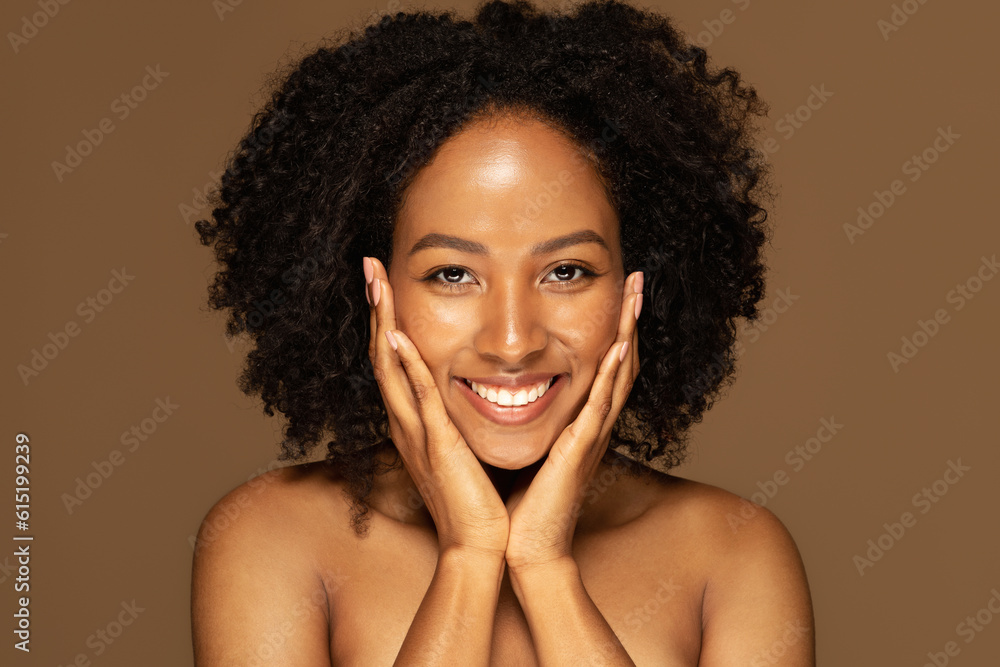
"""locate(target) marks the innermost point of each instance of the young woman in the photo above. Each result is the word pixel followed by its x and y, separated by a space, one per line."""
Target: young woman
pixel 555 221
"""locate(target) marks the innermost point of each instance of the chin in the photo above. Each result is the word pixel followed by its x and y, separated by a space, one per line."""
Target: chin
pixel 507 455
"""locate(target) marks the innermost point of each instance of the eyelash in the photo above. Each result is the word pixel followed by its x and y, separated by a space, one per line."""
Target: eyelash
pixel 454 287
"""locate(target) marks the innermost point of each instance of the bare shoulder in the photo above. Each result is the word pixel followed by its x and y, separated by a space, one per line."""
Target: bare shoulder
pixel 278 502
pixel 259 594
pixel 720 520
pixel 756 608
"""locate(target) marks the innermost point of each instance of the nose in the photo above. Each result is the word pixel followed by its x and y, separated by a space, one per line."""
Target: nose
pixel 512 325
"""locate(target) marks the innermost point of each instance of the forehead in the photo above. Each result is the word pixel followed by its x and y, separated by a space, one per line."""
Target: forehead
pixel 508 184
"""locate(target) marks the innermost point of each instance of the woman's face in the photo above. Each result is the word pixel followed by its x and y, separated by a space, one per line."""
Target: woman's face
pixel 507 272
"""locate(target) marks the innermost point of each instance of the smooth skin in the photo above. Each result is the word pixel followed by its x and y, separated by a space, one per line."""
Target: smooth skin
pixel 516 553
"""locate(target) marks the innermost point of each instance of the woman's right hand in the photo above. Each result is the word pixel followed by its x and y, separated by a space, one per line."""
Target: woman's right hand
pixel 467 510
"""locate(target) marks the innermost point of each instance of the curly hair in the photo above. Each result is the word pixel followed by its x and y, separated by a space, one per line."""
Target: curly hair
pixel 316 183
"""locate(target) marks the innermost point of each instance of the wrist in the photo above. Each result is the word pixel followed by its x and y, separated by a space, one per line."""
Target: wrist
pixel 538 581
pixel 558 567
pixel 472 558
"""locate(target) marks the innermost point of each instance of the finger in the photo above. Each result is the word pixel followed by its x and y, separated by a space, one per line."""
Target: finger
pixel 609 392
pixel 380 312
pixel 623 384
pixel 632 303
pixel 368 268
pixel 631 294
pixel 384 309
pixel 628 370
pixel 628 328
pixel 599 408
pixel 634 349
pixel 389 373
pixel 372 316
pixel 639 287
pixel 441 433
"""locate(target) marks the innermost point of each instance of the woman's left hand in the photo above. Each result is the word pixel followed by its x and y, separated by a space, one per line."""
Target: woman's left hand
pixel 544 508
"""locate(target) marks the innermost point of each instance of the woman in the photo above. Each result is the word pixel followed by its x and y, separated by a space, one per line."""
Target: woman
pixel 555 220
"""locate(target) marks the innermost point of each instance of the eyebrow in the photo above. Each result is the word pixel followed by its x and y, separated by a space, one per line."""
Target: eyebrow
pixel 475 248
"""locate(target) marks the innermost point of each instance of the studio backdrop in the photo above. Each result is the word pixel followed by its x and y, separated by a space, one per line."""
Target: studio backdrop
pixel 864 411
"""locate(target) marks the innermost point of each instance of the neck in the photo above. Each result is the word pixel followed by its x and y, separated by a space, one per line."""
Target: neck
pixel 613 498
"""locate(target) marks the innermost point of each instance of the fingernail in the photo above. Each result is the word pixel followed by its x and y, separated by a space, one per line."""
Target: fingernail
pixel 639 282
pixel 621 355
pixel 366 264
pixel 377 292
pixel 391 339
pixel 638 305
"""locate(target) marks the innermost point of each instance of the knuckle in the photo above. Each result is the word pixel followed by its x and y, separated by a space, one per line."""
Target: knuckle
pixel 421 391
pixel 604 409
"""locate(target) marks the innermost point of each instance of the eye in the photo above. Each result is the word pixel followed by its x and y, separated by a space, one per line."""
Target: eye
pixel 452 274
pixel 450 277
pixel 565 273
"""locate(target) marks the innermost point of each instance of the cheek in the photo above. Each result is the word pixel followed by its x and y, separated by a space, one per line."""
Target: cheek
pixel 589 326
pixel 436 327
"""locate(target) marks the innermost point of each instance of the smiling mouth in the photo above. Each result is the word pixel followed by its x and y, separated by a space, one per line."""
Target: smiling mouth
pixel 504 397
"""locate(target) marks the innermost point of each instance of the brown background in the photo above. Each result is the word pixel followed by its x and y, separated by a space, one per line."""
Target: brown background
pixel 824 357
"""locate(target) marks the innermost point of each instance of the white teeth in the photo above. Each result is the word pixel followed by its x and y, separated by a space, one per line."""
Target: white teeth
pixel 505 398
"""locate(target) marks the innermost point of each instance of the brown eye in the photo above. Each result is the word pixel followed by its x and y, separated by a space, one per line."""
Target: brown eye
pixel 450 278
pixel 565 273
pixel 452 274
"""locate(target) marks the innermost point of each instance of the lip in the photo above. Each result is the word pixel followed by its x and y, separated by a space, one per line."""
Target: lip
pixel 511 415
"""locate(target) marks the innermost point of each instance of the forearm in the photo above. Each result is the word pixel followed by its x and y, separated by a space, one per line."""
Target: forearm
pixel 454 624
pixel 566 626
